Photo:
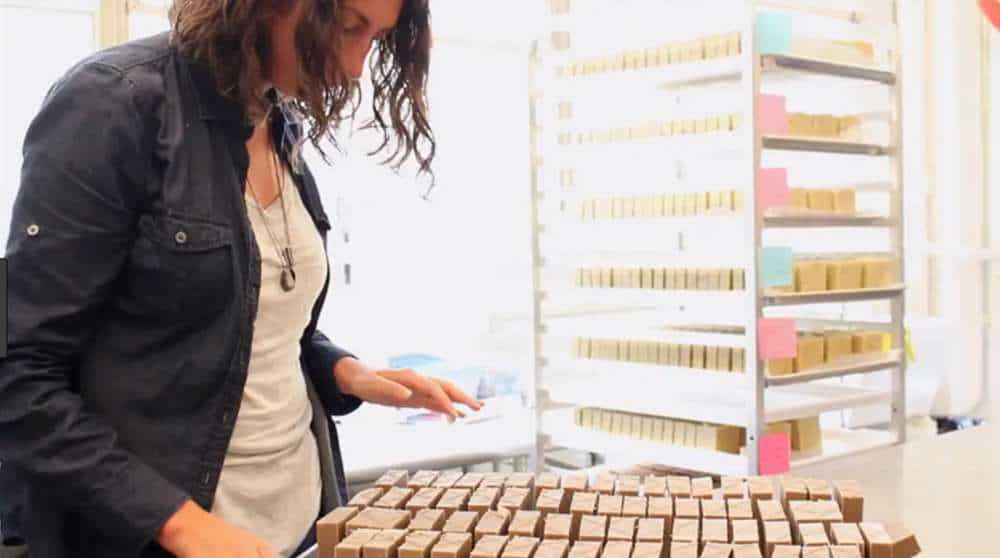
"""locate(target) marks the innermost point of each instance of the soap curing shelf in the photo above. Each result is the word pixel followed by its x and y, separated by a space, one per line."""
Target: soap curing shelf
pixel 824 145
pixel 772 298
pixel 851 367
pixel 805 220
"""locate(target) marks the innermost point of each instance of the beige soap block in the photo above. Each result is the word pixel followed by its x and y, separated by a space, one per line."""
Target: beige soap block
pixel 654 485
pixel 648 550
pixel 455 499
pixel 515 498
pixel 593 528
pixel 679 487
pixel 610 504
pixel 776 533
pixel 810 276
pixel 739 358
pixel 422 479
pixel 604 483
pixel 558 526
pixel 844 201
pixel 418 544
pixel 585 549
pixel 845 552
pixel 867 342
pixel 583 503
pixel 352 546
pixel 526 523
pixel 366 497
pixel 684 549
pixel 331 529
pixel 494 479
pixel 553 548
pixel 426 497
pixel 724 360
pixel 714 509
pixel 816 552
pixel 629 485
pixel 787 551
pixel 553 500
pixel 621 528
pixel 739 279
pixel 781 366
pixel 798 198
pixel 899 541
pixel 812 534
pixel 716 549
pixel 740 508
pixel 826 125
pixel 698 356
pixel 806 434
pixel 686 529
pixel 489 546
pixel 793 489
pixel 701 487
pixel 634 506
pixel 760 488
pixel 746 551
pixel 847 534
pixel 711 358
pixel 733 488
pixel 811 353
pixel 651 529
pixel 688 508
pixel 428 520
pixel 378 518
pixel 461 522
pixel 714 530
pixel 744 531
pixel 820 200
pixel 877 273
pixel 453 545
pixel 801 124
pixel 851 500
pixel 385 544
pixel 819 489
pixel 617 549
pixel 842 275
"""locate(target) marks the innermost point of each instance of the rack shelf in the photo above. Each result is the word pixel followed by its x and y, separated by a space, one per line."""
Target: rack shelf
pixel 805 220
pixel 859 295
pixel 884 361
pixel 824 145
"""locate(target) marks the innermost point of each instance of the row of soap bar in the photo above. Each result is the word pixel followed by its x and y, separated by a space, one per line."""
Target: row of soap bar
pixel 801 124
pixel 701 357
pixel 652 206
pixel 653 129
pixel 677 52
pixel 841 274
pixel 815 350
pixel 660 429
pixel 658 278
pixel 825 200
pixel 804 433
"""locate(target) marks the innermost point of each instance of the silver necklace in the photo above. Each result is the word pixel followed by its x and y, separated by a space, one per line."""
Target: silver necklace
pixel 284 254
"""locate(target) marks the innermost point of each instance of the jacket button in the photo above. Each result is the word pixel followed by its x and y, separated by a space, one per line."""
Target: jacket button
pixel 181 237
pixel 32 230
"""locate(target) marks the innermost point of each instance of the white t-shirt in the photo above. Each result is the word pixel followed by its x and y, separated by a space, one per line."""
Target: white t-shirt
pixel 271 483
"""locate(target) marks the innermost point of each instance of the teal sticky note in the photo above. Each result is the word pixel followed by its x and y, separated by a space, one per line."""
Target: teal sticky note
pixel 774 33
pixel 776 266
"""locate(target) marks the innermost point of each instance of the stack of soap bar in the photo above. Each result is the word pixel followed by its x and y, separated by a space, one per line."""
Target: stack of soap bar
pixel 418 544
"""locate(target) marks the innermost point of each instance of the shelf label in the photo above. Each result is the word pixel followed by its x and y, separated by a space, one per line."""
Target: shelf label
pixel 776 266
pixel 776 338
pixel 772 115
pixel 772 189
pixel 775 454
pixel 774 33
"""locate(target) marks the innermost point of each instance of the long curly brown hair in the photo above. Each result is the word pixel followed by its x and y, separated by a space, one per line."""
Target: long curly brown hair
pixel 231 38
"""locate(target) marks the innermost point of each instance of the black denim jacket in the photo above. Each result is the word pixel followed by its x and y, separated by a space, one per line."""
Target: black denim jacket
pixel 133 284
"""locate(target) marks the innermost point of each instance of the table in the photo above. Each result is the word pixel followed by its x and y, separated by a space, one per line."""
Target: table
pixel 945 489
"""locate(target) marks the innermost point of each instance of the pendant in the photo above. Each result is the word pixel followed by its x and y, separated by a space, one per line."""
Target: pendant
pixel 287 279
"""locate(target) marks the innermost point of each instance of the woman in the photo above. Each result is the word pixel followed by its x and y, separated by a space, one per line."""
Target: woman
pixel 166 390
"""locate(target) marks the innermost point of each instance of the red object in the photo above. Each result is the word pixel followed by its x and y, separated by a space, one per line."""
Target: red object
pixel 776 338
pixel 772 189
pixel 775 454
pixel 772 115
pixel 992 10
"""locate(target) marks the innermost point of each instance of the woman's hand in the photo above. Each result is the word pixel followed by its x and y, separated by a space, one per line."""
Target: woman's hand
pixel 194 533
pixel 402 388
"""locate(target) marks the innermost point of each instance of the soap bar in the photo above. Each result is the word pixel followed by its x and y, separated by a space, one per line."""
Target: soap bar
pixel 819 489
pixel 552 500
pixel 811 353
pixel 745 531
pixel 793 488
pixel 426 497
pixel 776 533
pixel 585 549
pixel 366 497
pixel 454 499
pixel 851 500
pixel 331 529
pixel 714 509
pixel 385 544
pixel 845 552
pixel 771 510
pixel 558 526
pixel 593 528
pixel 621 528
pixel 684 549
pixel 494 479
pixel 816 552
pixel 583 503
pixel 353 545
pixel 867 342
pixel 810 276
pixel 701 487
pixel 739 508
pixel 634 506
pixel 422 479
pixel 378 518
pixel 838 345
pixel 650 529
pixel 714 530
pixel 787 551
pixel 812 534
pixel 484 499
pixel 576 482
pixel 686 529
pixel 628 485
pixel 552 548
pixel 806 434
pixel 847 534
pixel 604 483
pixel 526 523
pixel 610 504
pixel 716 549
pixel 453 545
pixel 900 542
pixel 461 522
pixel 781 366
pixel 798 198
pixel 428 520
pixel 687 507
pixel 617 549
pixel 844 275
pixel 654 485
pixel 393 477
pixel 648 550
pixel 489 546
pixel 662 508
pixel 844 201
pixel 418 544
pixel 877 273
pixel 521 480
pixel 746 551
pixel 739 358
pixel 492 522
pixel 515 498
pixel 760 488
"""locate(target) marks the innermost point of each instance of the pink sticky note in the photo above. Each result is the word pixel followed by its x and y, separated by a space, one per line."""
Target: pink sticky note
pixel 772 115
pixel 775 454
pixel 776 338
pixel 772 189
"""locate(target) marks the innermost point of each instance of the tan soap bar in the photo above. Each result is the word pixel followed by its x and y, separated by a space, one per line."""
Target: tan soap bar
pixel 447 479
pixel 583 503
pixel 684 549
pixel 428 520
pixel 648 550
pixel 634 506
pixel 760 488
pixel 816 552
pixel 812 534
pixel 489 546
pixel 366 497
pixel 494 479
pixel 810 276
pixel 526 523
pixel 520 547
pixel 453 545
pixel 811 352
pixel 424 498
pixel 851 499
pixel 604 483
pixel 418 544
pixel 701 487
pixel 485 498
pixel 461 522
pixel 629 485
pixel 617 549
pixel 455 499
pixel 385 544
pixel 492 522
pixel 867 342
pixel 744 531
pixel 746 551
pixel 845 552
pixel 552 548
pixel 781 366
pixel 548 481
pixel 515 498
pixel 585 549
pixel 899 541
pixel 714 509
pixel 650 529
pixel 552 500
pixel 838 345
pixel 574 483
pixel 714 530
pixel 847 534
pixel 610 504
pixel 771 510
pixel 331 529
pixel 679 486
pixel 686 529
pixel 787 551
pixel 776 533
pixel 378 518
pixel 739 508
pixel 353 545
pixel 687 508
pixel 662 508
pixel 521 480
pixel 621 529
pixel 422 479
pixel 819 489
pixel 820 200
pixel 593 528
pixel 393 477
pixel 806 434
pixel 716 549
pixel 654 485
pixel 877 273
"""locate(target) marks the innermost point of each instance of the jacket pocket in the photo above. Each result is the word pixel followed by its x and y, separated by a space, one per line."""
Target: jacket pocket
pixel 181 266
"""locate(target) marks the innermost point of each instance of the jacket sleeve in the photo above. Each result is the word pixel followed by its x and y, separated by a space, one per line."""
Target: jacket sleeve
pixel 321 355
pixel 71 230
